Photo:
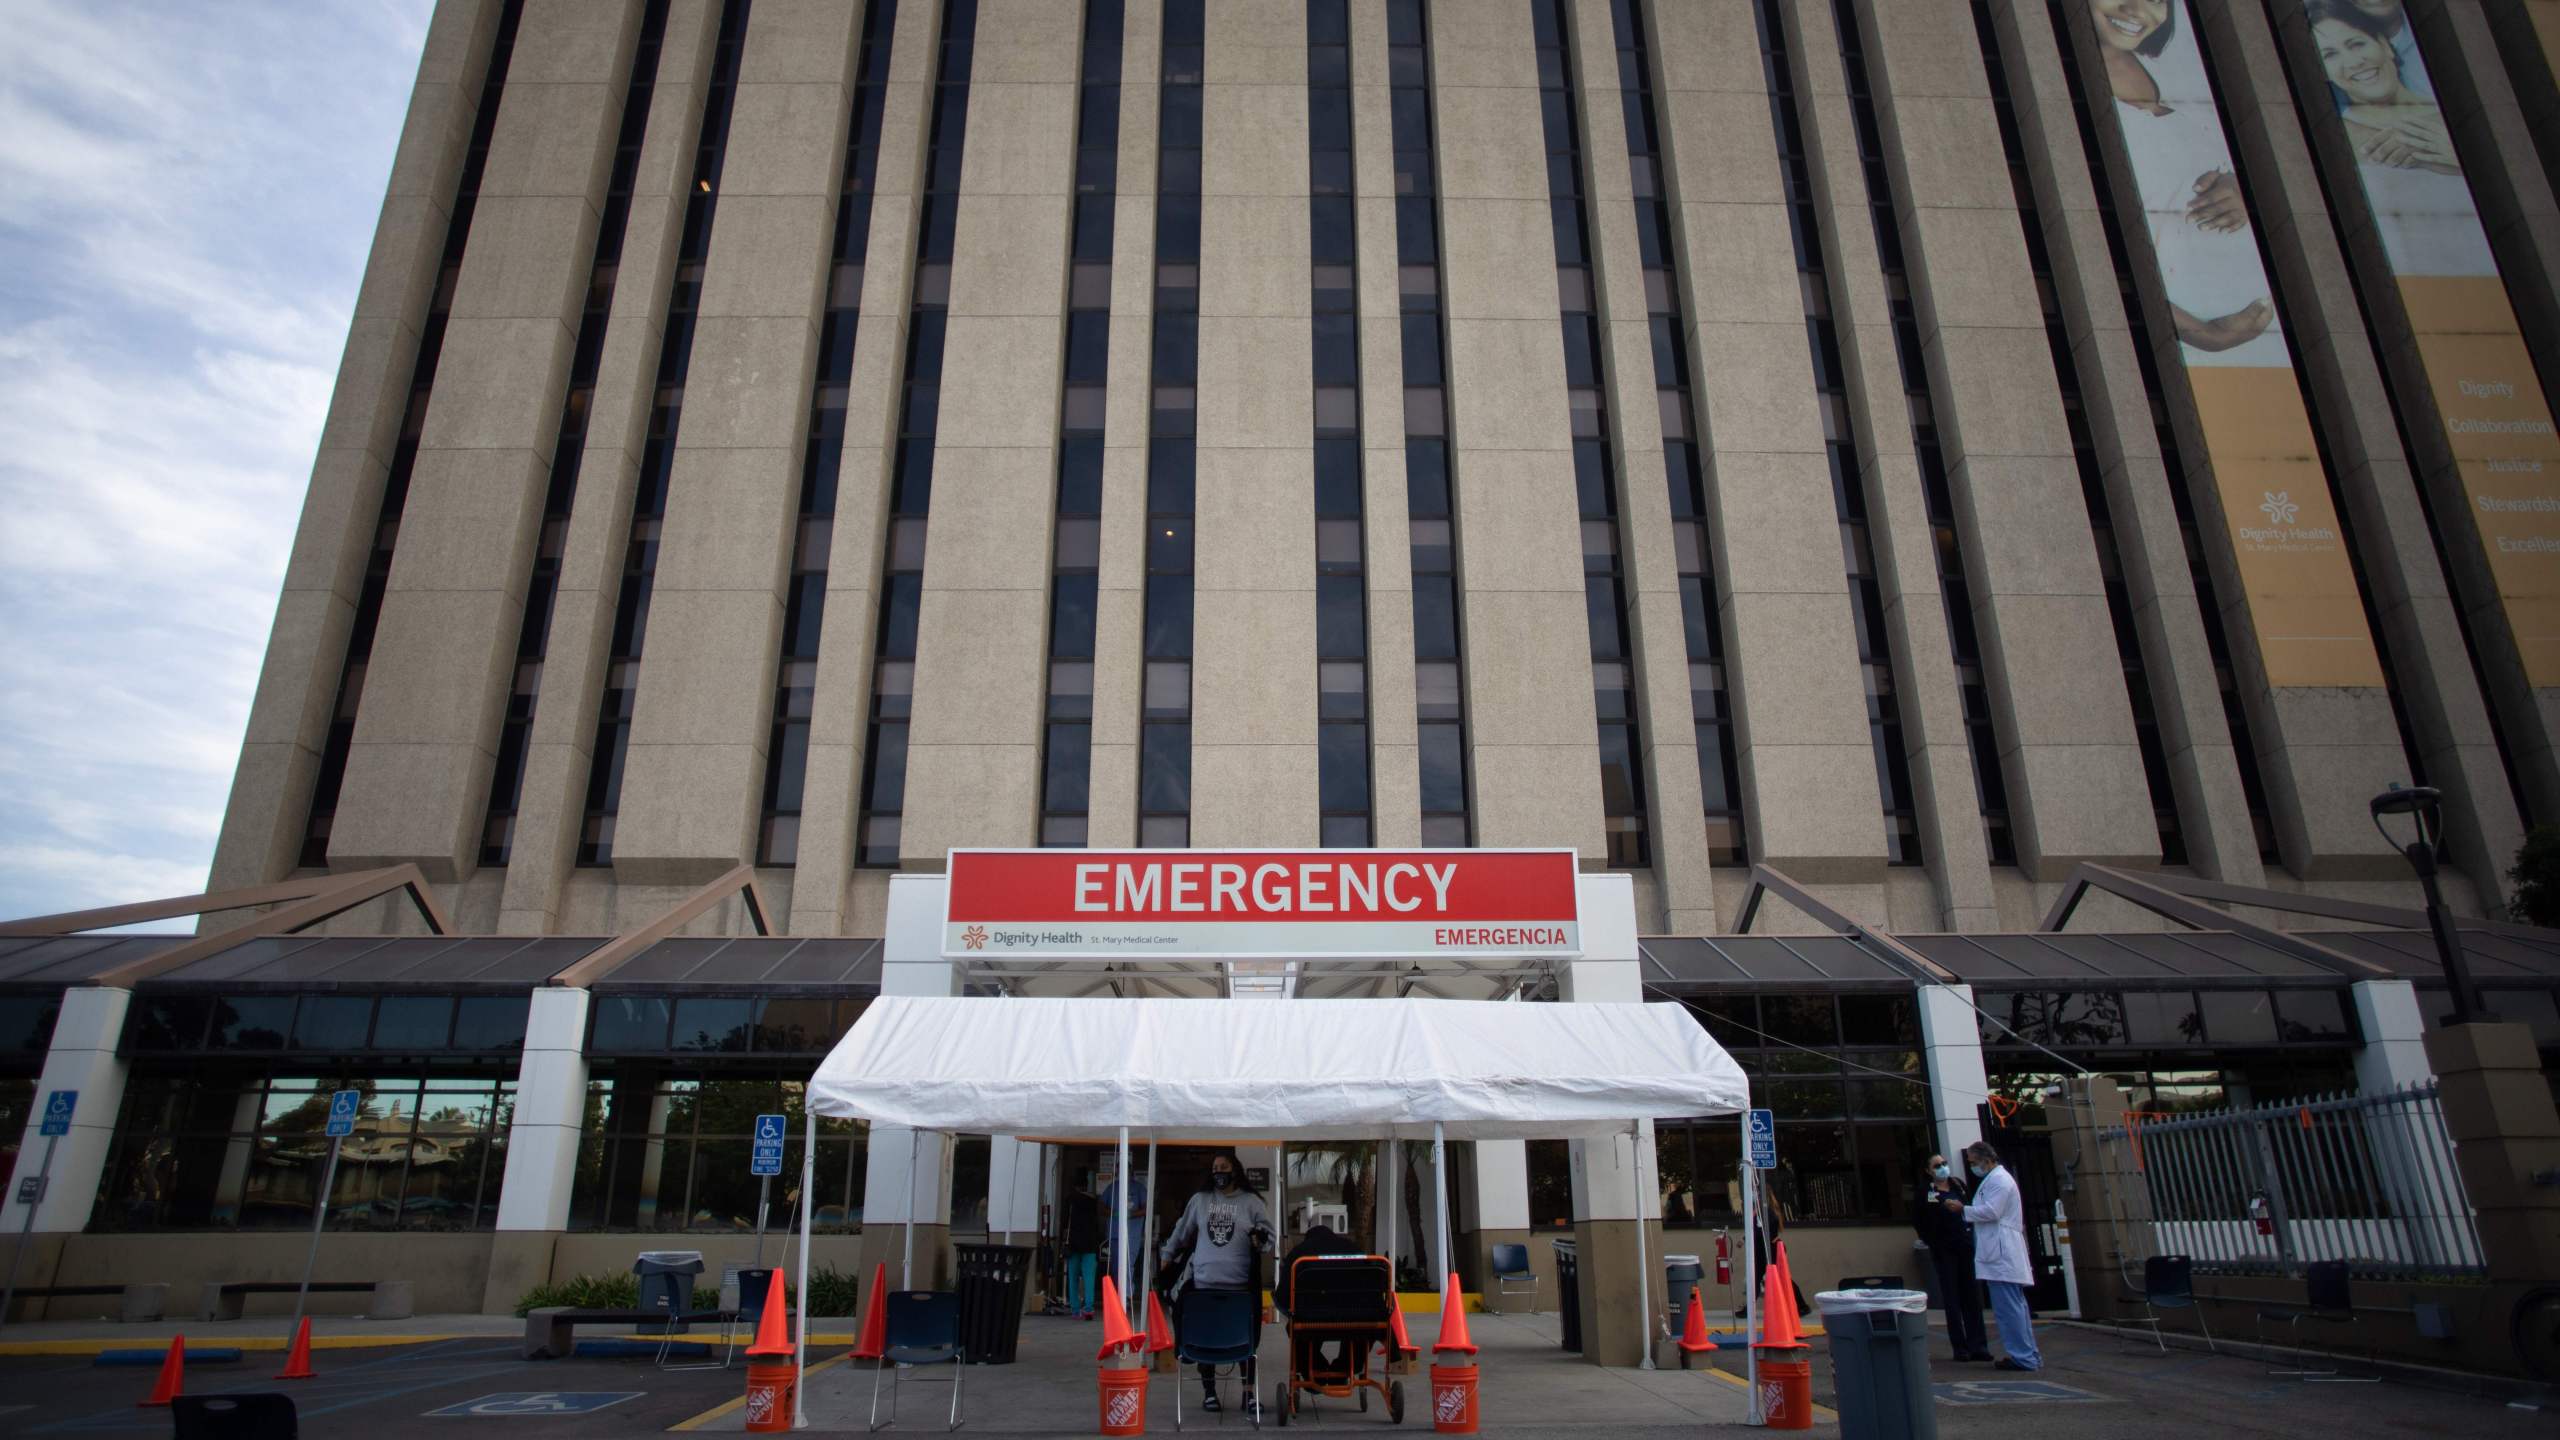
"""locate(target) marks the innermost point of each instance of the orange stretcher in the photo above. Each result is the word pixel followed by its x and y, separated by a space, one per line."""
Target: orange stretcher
pixel 1345 1304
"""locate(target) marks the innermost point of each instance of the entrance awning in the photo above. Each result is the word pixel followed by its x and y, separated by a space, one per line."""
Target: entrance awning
pixel 1288 1069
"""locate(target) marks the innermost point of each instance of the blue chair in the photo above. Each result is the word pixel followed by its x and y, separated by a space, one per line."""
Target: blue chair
pixel 2327 1297
pixel 1216 1329
pixel 2168 1283
pixel 923 1328
pixel 1511 1269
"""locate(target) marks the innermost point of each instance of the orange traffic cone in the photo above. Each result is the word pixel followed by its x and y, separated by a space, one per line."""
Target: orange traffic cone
pixel 172 1373
pixel 1116 1334
pixel 1395 1327
pixel 1453 1321
pixel 1778 1315
pixel 874 1339
pixel 297 1360
pixel 773 1327
pixel 1693 1330
pixel 1159 1329
pixel 1786 1273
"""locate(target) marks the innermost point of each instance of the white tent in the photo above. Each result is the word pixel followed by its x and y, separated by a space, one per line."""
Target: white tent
pixel 1270 1071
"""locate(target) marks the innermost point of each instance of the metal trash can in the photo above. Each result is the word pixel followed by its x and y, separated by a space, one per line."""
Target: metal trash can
pixel 666 1283
pixel 1569 1294
pixel 993 1282
pixel 1880 1363
pixel 1681 1275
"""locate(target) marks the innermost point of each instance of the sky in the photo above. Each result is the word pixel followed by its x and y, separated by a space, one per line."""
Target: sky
pixel 187 193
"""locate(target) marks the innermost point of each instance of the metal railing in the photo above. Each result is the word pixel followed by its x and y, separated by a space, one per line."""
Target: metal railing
pixel 2368 1179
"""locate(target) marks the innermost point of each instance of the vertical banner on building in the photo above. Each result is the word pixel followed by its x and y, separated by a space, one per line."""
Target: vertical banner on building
pixel 2496 422
pixel 2286 540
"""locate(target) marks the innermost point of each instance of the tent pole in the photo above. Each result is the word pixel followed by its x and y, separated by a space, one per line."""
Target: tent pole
pixel 1279 1208
pixel 1440 1198
pixel 1644 1268
pixel 907 1262
pixel 1390 1174
pixel 1750 1272
pixel 800 1336
pixel 1147 1254
pixel 1120 1222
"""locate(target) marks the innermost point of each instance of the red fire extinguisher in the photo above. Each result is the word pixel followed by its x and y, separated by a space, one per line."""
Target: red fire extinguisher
pixel 1724 1259
pixel 2260 1216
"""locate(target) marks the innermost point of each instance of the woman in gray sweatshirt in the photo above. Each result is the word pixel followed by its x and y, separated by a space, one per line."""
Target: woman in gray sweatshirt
pixel 1220 1228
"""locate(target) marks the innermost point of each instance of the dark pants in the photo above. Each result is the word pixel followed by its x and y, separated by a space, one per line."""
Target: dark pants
pixel 1962 1296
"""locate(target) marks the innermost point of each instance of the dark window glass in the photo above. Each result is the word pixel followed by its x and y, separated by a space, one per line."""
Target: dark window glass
pixel 331 1022
pixel 713 1024
pixel 251 1022
pixel 1443 767
pixel 412 1022
pixel 630 1024
pixel 1342 767
pixel 490 1022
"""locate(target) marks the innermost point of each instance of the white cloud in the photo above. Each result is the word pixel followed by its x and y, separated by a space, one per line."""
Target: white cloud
pixel 186 194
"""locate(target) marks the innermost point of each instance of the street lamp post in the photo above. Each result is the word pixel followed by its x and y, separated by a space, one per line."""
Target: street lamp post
pixel 2423 805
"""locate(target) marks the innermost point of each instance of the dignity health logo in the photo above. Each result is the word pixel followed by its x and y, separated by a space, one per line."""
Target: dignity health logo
pixel 2281 533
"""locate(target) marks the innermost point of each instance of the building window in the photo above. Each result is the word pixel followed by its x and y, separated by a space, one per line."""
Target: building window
pixel 658 453
pixel 212 1145
pixel 1613 678
pixel 404 453
pixel 666 1148
pixel 1066 797
pixel 1164 744
pixel 1848 497
pixel 1847 1078
pixel 1439 660
pixel 893 667
pixel 542 589
pixel 1342 618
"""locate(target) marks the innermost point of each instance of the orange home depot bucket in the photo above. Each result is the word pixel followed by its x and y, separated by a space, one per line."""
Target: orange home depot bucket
pixel 1124 1402
pixel 1453 1399
pixel 1786 1394
pixel 769 1397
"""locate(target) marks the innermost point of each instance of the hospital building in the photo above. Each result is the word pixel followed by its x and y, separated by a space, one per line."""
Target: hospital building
pixel 1951 511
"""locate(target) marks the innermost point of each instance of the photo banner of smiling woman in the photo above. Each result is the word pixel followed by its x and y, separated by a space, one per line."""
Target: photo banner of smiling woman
pixel 2492 425
pixel 2276 502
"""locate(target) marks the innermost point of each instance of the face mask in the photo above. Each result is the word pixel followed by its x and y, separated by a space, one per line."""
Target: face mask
pixel 1223 1179
pixel 1941 1172
pixel 1978 1171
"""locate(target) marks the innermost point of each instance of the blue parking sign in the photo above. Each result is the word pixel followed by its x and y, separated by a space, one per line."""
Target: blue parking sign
pixel 58 1105
pixel 344 1107
pixel 767 1156
pixel 1763 1134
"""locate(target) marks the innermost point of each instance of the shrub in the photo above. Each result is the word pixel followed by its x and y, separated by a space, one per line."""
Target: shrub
pixel 2536 878
pixel 584 1292
pixel 832 1293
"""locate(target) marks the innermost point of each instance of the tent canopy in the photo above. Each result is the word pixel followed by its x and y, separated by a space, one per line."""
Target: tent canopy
pixel 1276 1070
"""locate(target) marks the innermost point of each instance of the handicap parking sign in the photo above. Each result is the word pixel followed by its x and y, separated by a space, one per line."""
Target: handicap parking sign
pixel 767 1159
pixel 344 1106
pixel 1764 1140
pixel 58 1105
pixel 540 1402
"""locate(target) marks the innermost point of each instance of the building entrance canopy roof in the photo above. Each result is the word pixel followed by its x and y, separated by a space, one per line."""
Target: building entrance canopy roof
pixel 1276 1070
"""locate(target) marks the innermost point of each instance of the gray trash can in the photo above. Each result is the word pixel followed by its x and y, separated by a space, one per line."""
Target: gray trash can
pixel 1681 1276
pixel 1880 1363
pixel 666 1283
pixel 1569 1294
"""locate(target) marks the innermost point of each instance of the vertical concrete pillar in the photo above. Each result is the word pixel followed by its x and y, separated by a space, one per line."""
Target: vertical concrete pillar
pixel 1615 1189
pixel 2075 782
pixel 1898 530
pixel 1535 761
pixel 973 748
pixel 1253 667
pixel 906 1173
pixel 1657 640
pixel 2394 1053
pixel 417 781
pixel 1951 1036
pixel 2505 1132
pixel 82 1058
pixel 694 769
pixel 1119 662
pixel 839 722
pixel 2195 737
pixel 2413 604
pixel 2109 1204
pixel 1395 776
pixel 289 716
pixel 552 808
pixel 542 1144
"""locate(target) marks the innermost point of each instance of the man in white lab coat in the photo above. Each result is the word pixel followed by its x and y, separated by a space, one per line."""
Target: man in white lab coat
pixel 2000 1254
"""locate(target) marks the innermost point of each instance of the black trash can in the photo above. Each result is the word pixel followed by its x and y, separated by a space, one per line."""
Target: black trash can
pixel 666 1284
pixel 1569 1294
pixel 993 1282
pixel 1880 1363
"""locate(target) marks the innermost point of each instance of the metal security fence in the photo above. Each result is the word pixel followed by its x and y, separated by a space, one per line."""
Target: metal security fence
pixel 2368 1179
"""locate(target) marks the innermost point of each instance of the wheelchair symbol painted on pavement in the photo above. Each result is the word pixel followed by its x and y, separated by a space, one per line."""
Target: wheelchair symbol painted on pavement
pixel 541 1402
